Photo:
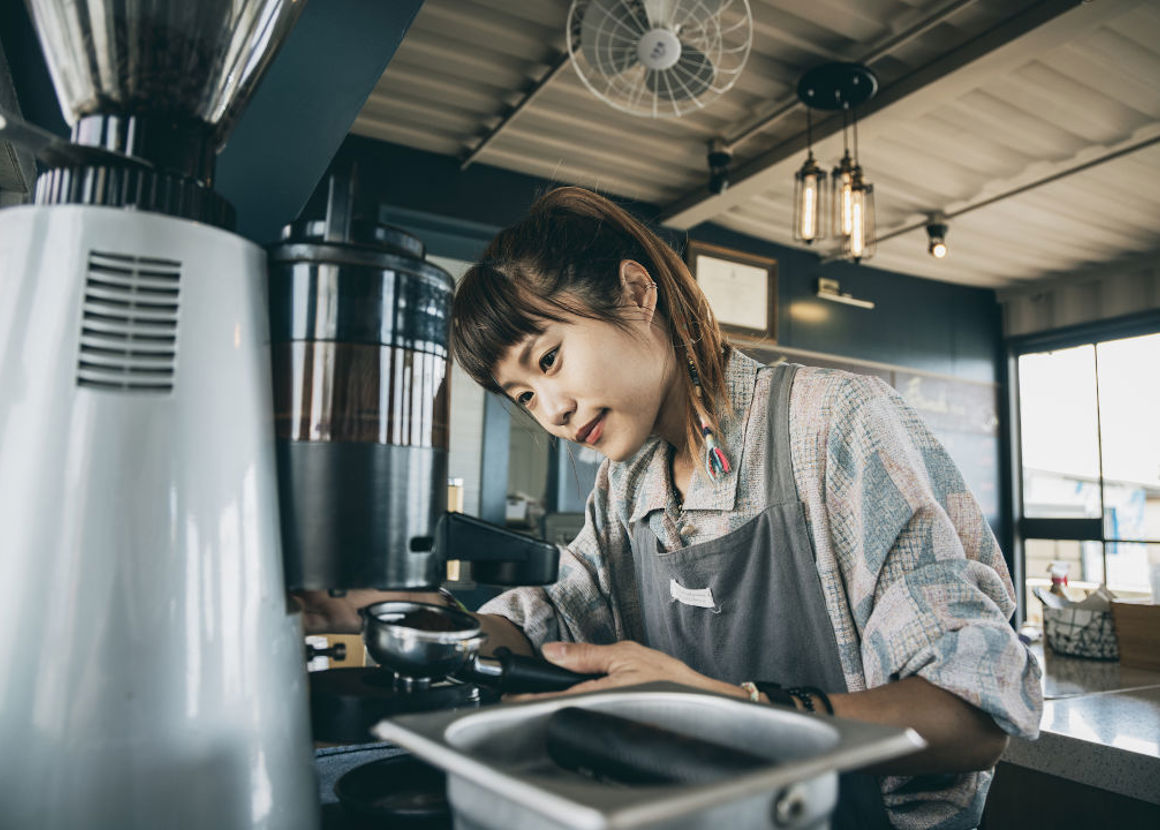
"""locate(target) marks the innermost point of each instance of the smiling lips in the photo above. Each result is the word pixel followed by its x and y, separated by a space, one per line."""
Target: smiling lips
pixel 591 431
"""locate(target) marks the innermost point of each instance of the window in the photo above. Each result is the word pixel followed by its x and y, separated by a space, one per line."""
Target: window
pixel 1089 453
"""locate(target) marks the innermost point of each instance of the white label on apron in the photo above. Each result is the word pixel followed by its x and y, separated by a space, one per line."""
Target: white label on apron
pixel 699 597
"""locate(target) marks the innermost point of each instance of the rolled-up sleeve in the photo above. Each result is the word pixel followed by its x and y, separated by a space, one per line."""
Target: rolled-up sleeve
pixel 580 606
pixel 930 593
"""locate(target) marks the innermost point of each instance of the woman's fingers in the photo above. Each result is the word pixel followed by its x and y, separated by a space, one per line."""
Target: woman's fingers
pixel 584 658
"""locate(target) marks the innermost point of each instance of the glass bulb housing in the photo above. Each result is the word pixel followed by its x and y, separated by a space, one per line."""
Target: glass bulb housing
pixel 842 182
pixel 861 242
pixel 809 190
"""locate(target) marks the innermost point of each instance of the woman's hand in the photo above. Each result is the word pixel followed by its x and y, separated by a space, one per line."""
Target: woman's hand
pixel 626 664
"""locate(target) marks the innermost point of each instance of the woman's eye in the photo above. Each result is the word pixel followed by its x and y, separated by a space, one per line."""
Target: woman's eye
pixel 548 359
pixel 524 399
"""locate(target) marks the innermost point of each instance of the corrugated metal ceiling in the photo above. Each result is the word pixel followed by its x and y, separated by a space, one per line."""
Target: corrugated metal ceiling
pixel 978 99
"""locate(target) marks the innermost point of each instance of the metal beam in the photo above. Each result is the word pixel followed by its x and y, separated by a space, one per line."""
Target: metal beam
pixel 557 67
pixel 305 106
pixel 1001 49
pixel 881 50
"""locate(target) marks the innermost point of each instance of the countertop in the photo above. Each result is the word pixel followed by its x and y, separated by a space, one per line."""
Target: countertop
pixel 1101 726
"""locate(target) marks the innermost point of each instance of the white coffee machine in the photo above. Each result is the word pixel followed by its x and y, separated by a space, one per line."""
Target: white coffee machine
pixel 151 673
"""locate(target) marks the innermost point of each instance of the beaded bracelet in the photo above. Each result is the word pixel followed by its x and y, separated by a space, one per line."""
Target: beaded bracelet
pixel 806 695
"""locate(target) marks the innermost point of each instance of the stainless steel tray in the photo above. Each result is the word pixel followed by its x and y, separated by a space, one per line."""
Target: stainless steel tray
pixel 500 775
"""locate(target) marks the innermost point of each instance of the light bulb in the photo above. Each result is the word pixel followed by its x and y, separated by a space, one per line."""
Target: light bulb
pixel 843 197
pixel 857 227
pixel 809 182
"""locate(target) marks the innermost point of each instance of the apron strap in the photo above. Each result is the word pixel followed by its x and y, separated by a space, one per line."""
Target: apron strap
pixel 779 461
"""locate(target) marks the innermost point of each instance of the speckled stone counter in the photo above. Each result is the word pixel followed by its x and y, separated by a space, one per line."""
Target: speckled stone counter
pixel 1101 727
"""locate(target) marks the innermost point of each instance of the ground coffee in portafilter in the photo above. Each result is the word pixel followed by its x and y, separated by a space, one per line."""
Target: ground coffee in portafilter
pixel 424 619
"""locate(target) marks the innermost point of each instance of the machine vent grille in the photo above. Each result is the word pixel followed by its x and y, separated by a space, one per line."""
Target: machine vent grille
pixel 129 326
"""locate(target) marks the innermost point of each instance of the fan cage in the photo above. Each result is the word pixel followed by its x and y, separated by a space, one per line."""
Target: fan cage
pixel 721 30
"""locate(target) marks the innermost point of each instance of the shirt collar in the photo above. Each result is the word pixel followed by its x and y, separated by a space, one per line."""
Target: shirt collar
pixel 704 493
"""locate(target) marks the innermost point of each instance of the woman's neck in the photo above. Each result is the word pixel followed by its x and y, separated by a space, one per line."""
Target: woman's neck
pixel 681 468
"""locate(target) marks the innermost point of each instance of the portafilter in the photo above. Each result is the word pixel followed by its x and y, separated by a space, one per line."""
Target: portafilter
pixel 421 641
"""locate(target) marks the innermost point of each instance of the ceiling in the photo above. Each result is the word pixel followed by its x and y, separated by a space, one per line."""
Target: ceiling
pixel 1035 126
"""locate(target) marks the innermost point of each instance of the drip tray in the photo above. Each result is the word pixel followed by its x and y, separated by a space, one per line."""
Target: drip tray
pixel 501 776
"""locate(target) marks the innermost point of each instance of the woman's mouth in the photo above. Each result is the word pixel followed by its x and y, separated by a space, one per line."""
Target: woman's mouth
pixel 590 433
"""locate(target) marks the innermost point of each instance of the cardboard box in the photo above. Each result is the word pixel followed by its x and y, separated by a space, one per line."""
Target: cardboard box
pixel 1138 632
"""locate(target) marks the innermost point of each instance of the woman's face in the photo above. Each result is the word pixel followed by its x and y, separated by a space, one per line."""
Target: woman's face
pixel 596 383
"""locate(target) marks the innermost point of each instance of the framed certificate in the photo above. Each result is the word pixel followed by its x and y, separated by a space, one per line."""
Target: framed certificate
pixel 741 287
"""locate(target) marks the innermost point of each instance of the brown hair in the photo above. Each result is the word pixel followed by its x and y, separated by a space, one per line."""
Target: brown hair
pixel 564 258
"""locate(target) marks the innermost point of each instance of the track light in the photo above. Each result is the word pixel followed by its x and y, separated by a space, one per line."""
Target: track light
pixel 936 233
pixel 719 159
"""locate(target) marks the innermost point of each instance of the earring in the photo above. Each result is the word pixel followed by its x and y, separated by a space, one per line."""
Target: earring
pixel 716 462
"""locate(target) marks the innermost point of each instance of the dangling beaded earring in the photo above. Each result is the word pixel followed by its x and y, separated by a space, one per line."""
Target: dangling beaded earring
pixel 716 462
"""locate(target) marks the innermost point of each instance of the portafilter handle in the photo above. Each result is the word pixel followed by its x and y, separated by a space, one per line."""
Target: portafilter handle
pixel 518 674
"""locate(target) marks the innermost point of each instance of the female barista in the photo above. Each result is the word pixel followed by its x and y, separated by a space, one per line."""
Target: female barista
pixel 784 534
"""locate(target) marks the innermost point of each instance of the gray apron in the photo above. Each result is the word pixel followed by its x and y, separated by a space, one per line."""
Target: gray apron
pixel 749 605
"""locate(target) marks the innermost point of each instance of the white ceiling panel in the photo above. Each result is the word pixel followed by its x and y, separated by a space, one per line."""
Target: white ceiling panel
pixel 1035 126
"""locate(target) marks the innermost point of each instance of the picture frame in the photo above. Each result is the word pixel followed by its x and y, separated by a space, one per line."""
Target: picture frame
pixel 741 288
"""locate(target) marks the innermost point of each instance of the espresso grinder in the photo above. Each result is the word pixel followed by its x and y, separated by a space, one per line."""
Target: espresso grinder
pixel 359 328
pixel 150 669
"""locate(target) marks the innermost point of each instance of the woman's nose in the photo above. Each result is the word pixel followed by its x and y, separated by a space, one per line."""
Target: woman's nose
pixel 557 409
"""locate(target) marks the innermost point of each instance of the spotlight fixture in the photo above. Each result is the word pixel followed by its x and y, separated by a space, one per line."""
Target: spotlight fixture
pixel 719 159
pixel 936 233
pixel 809 185
pixel 841 86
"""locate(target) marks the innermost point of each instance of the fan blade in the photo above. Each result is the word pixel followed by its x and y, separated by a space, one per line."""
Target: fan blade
pixel 674 14
pixel 609 33
pixel 691 76
pixel 659 12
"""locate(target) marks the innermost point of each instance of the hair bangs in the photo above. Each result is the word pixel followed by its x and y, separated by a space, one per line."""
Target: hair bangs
pixel 490 314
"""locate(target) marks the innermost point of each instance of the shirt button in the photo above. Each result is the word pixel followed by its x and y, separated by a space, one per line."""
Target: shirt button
pixel 687 529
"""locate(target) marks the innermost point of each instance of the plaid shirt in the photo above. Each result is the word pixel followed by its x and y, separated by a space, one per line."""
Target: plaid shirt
pixel 914 581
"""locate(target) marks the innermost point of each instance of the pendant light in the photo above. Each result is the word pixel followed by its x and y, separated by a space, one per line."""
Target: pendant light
pixel 809 185
pixel 859 243
pixel 842 180
pixel 842 86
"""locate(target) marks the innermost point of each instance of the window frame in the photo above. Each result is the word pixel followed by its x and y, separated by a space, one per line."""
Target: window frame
pixel 1080 530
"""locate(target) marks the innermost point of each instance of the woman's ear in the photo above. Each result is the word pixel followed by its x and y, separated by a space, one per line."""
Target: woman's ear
pixel 639 288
